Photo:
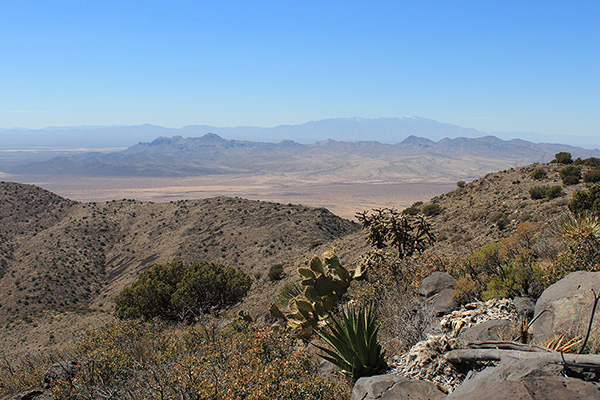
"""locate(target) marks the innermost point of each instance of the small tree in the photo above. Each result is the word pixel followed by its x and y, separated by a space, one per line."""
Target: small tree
pixel 563 158
pixel 180 292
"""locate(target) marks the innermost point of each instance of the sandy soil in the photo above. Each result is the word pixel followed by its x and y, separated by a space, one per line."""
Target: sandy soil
pixel 343 199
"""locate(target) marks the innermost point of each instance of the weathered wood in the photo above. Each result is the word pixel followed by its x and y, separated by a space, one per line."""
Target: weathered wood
pixel 469 356
pixel 507 346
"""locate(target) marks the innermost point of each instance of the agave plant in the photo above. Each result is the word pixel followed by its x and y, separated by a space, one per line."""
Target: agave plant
pixel 353 341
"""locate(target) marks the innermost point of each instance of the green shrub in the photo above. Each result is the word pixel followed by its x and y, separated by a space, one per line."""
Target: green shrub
pixel 545 192
pixel 519 277
pixel 592 162
pixel 432 209
pixel 353 341
pixel 539 173
pixel 570 175
pixel 181 292
pixel 276 272
pixel 586 201
pixel 563 158
pixel 554 191
pixel 414 209
pixel 461 184
pixel 538 192
pixel 592 176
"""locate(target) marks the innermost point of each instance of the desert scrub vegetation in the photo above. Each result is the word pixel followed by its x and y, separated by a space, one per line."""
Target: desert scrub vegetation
pixel 539 174
pixel 581 235
pixel 563 158
pixel 180 292
pixel 507 268
pixel 154 360
pixel 276 272
pixel 592 176
pixel 570 175
pixel 586 201
pixel 539 192
pixel 18 374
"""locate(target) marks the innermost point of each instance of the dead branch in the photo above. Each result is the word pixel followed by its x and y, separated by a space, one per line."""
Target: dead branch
pixel 471 356
pixel 504 345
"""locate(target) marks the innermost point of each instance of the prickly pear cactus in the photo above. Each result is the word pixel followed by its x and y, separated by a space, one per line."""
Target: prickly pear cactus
pixel 324 282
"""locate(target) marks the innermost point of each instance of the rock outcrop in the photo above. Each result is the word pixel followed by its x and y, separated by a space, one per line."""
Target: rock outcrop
pixel 437 292
pixel 393 387
pixel 566 306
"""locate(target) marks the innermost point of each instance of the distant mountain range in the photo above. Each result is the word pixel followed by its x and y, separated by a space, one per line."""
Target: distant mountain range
pixel 413 159
pixel 384 130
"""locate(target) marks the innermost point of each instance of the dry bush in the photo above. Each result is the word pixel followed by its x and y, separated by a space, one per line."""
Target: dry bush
pixel 391 289
pixel 150 360
pixel 18 374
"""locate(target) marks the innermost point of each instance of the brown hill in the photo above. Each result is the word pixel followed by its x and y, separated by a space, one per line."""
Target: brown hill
pixel 58 253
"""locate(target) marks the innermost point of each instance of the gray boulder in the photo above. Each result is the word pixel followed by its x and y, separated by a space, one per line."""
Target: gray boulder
pixel 536 388
pixel 442 303
pixel 395 387
pixel 525 306
pixel 568 305
pixel 435 283
pixel 510 370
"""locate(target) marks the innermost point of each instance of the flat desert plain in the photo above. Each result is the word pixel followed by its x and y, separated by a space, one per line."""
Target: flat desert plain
pixel 341 198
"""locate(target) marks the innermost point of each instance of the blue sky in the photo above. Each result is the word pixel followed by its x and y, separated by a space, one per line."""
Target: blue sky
pixel 490 65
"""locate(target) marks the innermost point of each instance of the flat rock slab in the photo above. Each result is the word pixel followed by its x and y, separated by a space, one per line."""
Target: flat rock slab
pixel 395 387
pixel 541 388
pixel 494 330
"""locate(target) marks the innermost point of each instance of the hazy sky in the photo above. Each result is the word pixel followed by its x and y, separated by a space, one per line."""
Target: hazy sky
pixel 490 65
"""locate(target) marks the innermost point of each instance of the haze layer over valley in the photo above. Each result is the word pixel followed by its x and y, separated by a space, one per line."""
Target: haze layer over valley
pixel 343 176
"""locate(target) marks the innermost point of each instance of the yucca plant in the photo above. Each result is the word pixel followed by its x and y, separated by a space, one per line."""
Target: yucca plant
pixel 353 341
pixel 582 234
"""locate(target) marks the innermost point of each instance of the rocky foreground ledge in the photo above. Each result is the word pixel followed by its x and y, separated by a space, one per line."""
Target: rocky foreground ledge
pixel 467 360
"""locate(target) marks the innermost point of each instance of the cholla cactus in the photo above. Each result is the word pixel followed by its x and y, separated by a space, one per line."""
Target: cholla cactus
pixel 324 282
pixel 408 234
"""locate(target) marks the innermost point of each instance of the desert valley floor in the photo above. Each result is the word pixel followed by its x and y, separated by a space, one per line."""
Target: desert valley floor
pixel 343 199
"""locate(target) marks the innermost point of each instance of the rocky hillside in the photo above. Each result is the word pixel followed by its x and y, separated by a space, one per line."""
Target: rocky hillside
pixel 59 254
pixel 492 207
